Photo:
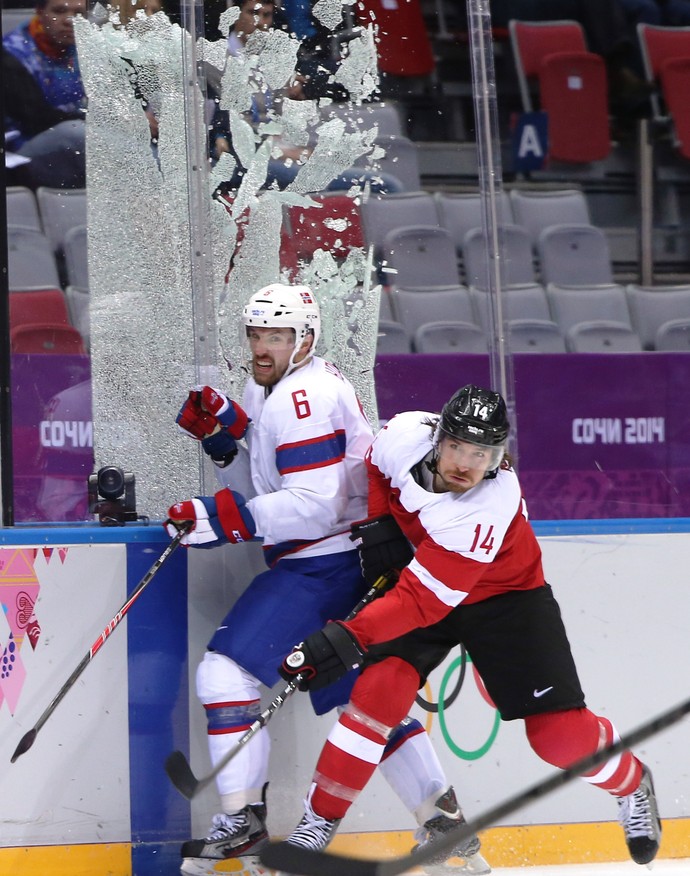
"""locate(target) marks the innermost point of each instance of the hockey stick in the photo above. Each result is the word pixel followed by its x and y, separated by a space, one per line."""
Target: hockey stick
pixel 294 859
pixel 29 737
pixel 177 766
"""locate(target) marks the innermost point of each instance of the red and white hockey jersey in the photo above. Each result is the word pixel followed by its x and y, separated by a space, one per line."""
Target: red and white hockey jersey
pixel 468 546
pixel 307 442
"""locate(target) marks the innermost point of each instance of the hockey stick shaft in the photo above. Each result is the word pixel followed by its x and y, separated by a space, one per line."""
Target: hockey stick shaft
pixel 294 859
pixel 29 737
pixel 177 766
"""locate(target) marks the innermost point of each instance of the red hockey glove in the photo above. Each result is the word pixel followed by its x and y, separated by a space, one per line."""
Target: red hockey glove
pixel 211 417
pixel 217 519
pixel 193 419
pixel 323 657
pixel 228 413
pixel 382 545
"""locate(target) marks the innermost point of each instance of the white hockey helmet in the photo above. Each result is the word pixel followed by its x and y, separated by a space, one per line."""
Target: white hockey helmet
pixel 280 306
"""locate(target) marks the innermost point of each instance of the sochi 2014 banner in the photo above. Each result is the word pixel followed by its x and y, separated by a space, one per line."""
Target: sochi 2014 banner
pixel 598 436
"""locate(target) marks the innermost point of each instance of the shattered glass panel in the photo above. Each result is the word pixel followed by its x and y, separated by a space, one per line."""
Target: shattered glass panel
pixel 139 260
pixel 143 215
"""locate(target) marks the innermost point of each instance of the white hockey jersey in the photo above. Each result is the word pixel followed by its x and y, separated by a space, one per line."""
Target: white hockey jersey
pixel 307 442
pixel 469 546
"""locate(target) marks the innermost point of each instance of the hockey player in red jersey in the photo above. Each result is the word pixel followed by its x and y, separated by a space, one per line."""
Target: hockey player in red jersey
pixel 307 437
pixel 447 486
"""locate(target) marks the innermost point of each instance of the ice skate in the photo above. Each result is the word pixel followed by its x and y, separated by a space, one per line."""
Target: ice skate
pixel 463 858
pixel 239 836
pixel 245 865
pixel 639 815
pixel 313 832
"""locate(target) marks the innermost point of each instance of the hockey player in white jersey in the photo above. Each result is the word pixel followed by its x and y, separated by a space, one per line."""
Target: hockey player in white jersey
pixel 476 578
pixel 307 437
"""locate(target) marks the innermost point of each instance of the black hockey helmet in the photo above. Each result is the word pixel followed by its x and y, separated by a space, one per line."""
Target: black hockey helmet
pixel 475 415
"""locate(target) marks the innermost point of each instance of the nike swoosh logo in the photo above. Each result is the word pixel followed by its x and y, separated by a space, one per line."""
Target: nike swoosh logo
pixel 540 693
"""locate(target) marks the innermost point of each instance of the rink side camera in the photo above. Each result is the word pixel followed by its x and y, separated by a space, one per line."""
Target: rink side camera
pixel 112 496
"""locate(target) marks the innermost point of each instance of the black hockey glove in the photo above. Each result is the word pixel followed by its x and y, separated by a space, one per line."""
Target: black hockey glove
pixel 323 657
pixel 382 547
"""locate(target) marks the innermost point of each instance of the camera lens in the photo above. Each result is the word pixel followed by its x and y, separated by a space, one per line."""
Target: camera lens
pixel 111 482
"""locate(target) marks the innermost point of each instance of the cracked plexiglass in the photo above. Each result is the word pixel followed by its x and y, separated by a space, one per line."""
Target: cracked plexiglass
pixel 170 265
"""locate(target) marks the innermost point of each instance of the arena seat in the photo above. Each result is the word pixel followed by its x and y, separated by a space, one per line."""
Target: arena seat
pixel 445 336
pixel 46 338
pixel 572 87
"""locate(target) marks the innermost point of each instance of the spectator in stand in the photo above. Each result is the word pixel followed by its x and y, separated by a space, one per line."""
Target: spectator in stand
pixel 281 171
pixel 298 17
pixel 668 13
pixel 258 15
pixel 127 9
pixel 45 47
pixel 51 138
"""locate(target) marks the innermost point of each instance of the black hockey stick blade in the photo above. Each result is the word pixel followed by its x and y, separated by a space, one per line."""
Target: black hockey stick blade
pixel 180 772
pixel 181 775
pixel 294 859
pixel 177 766
pixel 25 744
pixel 29 737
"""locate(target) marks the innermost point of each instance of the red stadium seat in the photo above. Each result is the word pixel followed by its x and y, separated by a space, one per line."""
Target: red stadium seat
pixel 659 45
pixel 45 338
pixel 532 41
pixel 572 87
pixel 402 42
pixel 334 225
pixel 31 306
pixel 574 95
pixel 675 86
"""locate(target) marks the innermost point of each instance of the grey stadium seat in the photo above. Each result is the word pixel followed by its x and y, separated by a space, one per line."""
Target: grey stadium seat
pixel 22 208
pixel 524 301
pixel 400 159
pixel 384 213
pixel 416 256
pixel 515 250
pixel 392 338
pixel 651 307
pixel 76 257
pixel 535 336
pixel 361 117
pixel 536 210
pixel 450 337
pixel 61 210
pixel 78 302
pixel 413 308
pixel 31 262
pixel 575 304
pixel 602 337
pixel 460 212
pixel 673 335
pixel 574 254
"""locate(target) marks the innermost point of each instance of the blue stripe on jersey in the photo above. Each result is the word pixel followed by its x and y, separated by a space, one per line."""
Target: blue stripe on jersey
pixel 274 552
pixel 312 453
pixel 405 730
pixel 231 717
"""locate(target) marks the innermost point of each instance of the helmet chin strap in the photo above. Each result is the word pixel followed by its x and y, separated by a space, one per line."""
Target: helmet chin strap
pixel 292 365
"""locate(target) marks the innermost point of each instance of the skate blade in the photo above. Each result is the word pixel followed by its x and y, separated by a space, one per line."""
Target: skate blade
pixel 472 865
pixel 245 865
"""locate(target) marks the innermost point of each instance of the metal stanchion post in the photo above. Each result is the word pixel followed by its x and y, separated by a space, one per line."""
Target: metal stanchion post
pixel 646 194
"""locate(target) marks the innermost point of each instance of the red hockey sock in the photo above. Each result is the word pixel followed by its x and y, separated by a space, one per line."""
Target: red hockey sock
pixel 562 738
pixel 380 699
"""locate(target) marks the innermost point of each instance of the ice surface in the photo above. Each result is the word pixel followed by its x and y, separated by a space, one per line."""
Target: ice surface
pixel 625 868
